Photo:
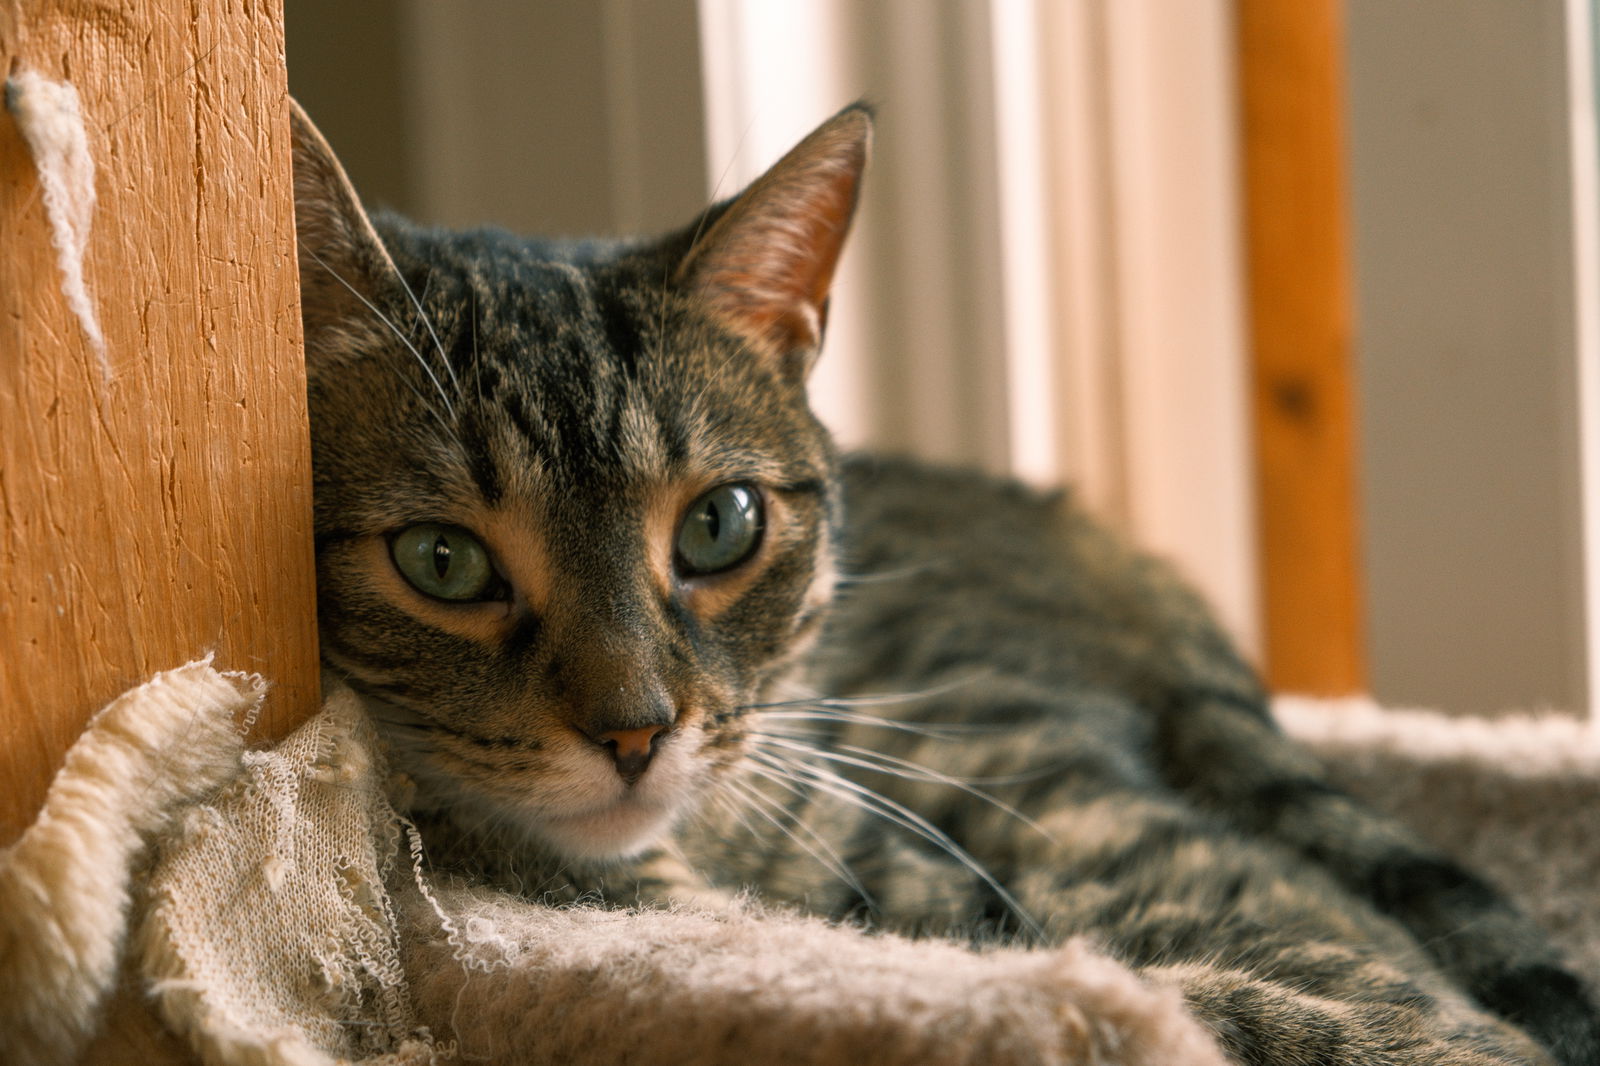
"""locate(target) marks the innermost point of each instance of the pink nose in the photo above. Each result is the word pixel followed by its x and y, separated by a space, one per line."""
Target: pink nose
pixel 632 748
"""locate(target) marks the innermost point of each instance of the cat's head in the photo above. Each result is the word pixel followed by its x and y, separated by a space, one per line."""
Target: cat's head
pixel 573 514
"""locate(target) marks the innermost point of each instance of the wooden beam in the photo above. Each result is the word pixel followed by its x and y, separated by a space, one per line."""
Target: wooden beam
pixel 1297 242
pixel 162 512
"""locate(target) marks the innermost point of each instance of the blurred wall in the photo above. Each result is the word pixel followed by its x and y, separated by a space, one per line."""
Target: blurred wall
pixel 1466 342
pixel 347 69
pixel 550 118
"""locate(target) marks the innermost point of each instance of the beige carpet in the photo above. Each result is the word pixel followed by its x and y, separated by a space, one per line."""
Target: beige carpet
pixel 1517 798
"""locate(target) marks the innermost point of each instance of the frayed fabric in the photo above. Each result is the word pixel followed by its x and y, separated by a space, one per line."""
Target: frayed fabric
pixel 337 948
pixel 301 966
pixel 65 885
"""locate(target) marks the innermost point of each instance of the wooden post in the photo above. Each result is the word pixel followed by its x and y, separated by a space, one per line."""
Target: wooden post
pixel 162 513
pixel 1291 83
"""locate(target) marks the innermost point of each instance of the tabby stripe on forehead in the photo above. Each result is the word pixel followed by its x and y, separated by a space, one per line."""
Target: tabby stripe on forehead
pixel 464 347
pixel 517 408
pixel 480 461
pixel 578 413
pixel 672 433
pixel 613 433
pixel 623 338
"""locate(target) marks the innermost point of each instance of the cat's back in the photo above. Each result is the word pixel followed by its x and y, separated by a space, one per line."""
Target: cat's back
pixel 1122 746
pixel 940 564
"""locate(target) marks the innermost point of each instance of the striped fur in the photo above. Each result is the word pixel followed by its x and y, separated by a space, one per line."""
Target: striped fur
pixel 931 702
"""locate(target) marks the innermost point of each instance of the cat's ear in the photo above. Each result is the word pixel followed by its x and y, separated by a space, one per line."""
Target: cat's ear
pixel 342 261
pixel 764 266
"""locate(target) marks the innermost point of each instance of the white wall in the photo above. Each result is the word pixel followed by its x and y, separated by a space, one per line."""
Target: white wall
pixel 551 118
pixel 1468 387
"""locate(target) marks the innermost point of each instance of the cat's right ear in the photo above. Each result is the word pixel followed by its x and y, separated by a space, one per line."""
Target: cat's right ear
pixel 764 266
pixel 343 264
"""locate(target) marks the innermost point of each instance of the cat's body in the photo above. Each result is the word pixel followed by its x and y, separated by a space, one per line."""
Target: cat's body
pixel 1003 725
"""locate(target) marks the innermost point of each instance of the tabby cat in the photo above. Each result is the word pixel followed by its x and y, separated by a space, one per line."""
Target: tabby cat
pixel 632 629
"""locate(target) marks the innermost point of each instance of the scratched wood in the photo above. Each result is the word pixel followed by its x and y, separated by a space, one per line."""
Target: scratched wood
pixel 163 513
pixel 1291 83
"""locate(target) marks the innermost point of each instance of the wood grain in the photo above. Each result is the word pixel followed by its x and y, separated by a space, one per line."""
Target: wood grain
pixel 165 513
pixel 1290 69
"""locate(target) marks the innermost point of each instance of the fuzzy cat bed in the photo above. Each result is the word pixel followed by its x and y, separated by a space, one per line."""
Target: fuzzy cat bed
pixel 289 917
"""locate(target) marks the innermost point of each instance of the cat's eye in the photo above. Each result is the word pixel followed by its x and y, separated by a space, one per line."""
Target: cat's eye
pixel 443 561
pixel 721 530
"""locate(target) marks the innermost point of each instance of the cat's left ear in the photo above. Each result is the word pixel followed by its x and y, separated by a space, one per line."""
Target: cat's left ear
pixel 343 264
pixel 764 267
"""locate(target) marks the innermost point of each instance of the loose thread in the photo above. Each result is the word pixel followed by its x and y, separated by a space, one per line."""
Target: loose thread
pixel 50 118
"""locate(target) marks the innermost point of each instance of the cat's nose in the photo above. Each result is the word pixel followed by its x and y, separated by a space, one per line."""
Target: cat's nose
pixel 632 749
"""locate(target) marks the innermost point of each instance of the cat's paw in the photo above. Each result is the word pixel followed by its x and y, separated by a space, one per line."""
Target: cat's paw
pixel 665 879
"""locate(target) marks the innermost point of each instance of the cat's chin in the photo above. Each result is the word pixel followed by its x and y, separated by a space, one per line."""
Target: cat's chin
pixel 619 831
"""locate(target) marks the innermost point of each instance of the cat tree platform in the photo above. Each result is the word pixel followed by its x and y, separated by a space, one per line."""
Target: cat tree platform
pixel 288 916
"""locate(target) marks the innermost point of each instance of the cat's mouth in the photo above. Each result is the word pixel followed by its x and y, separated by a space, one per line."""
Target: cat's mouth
pixel 572 802
pixel 602 817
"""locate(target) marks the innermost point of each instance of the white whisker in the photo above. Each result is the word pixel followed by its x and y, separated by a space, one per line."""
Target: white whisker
pixel 827 857
pixel 932 730
pixel 477 364
pixel 884 763
pixel 848 580
pixel 438 386
pixel 428 323
pixel 885 699
pixel 874 802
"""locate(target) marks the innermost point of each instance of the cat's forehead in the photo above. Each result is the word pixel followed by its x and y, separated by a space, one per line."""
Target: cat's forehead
pixel 588 377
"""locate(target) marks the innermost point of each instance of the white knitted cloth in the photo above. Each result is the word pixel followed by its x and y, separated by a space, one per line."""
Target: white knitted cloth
pixel 271 935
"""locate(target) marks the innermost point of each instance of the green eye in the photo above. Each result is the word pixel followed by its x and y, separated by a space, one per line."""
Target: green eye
pixel 443 561
pixel 722 529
